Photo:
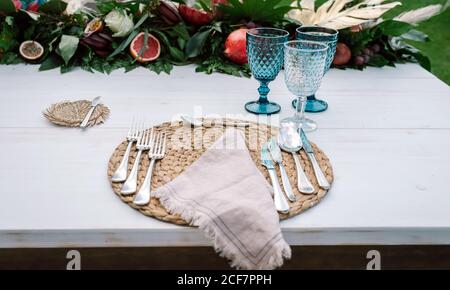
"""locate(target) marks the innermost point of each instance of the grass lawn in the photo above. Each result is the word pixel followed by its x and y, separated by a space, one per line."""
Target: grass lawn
pixel 438 29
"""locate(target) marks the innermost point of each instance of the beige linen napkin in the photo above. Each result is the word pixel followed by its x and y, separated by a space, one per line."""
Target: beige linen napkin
pixel 226 196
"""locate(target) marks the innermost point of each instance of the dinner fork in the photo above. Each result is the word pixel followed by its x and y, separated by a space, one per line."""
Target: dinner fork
pixel 120 175
pixel 143 144
pixel 157 152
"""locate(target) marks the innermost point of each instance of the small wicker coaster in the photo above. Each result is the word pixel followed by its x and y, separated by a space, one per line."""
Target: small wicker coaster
pixel 71 114
pixel 199 139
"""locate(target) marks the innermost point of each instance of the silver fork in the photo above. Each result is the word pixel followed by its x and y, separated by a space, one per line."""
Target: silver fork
pixel 143 144
pixel 157 152
pixel 120 175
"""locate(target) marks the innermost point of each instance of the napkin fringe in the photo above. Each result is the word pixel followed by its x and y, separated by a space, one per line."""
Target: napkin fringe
pixel 277 253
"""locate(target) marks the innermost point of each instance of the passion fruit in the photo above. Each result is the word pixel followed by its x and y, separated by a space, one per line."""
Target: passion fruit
pixel 95 25
pixel 31 50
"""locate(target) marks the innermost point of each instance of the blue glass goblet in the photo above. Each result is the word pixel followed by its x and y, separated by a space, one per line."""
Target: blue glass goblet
pixel 327 36
pixel 265 57
pixel 304 65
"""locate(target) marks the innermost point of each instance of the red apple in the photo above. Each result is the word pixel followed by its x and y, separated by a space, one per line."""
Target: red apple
pixel 343 54
pixel 195 16
pixel 236 46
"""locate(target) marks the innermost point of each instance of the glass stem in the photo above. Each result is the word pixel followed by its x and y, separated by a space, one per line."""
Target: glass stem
pixel 301 105
pixel 263 92
pixel 312 98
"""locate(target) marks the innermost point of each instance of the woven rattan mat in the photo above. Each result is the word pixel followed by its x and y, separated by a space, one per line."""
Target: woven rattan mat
pixel 71 114
pixel 178 159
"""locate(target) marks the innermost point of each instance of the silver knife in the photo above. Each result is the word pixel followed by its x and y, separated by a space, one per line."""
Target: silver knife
pixel 275 152
pixel 321 179
pixel 281 203
pixel 94 104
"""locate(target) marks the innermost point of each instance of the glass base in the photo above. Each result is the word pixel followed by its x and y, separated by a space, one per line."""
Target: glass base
pixel 306 124
pixel 258 108
pixel 313 105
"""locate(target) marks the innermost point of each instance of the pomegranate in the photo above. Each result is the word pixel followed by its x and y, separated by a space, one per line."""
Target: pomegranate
pixel 236 46
pixel 343 54
pixel 195 16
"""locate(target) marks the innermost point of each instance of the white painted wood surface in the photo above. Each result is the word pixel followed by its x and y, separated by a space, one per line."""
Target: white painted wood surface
pixel 387 133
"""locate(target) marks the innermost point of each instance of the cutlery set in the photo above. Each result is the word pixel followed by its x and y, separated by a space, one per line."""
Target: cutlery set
pixel 146 140
pixel 290 140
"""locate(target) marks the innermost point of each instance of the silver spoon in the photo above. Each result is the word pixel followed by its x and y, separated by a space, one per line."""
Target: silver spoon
pixel 95 102
pixel 290 141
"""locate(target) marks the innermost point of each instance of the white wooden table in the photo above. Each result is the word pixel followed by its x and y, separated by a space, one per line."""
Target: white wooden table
pixel 387 132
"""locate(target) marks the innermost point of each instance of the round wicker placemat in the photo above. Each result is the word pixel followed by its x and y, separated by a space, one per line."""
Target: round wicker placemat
pixel 71 114
pixel 199 139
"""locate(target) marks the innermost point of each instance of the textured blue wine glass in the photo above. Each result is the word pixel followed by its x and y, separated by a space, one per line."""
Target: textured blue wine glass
pixel 324 35
pixel 304 66
pixel 265 53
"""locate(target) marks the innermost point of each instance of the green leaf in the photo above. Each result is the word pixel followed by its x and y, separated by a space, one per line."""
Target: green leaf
pixel 195 45
pixel 181 43
pixel 50 44
pixel 423 60
pixel 204 5
pixel 181 31
pixel 217 64
pixel 124 44
pixel 378 61
pixel 8 35
pixel 263 11
pixel 161 36
pixel 416 35
pixel 394 28
pixel 52 62
pixel 67 47
pixel 53 7
pixel 141 21
pixel 7 7
pixel 29 31
pixel 66 68
pixel 160 65
pixel 9 20
pixel 10 58
pixel 177 54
